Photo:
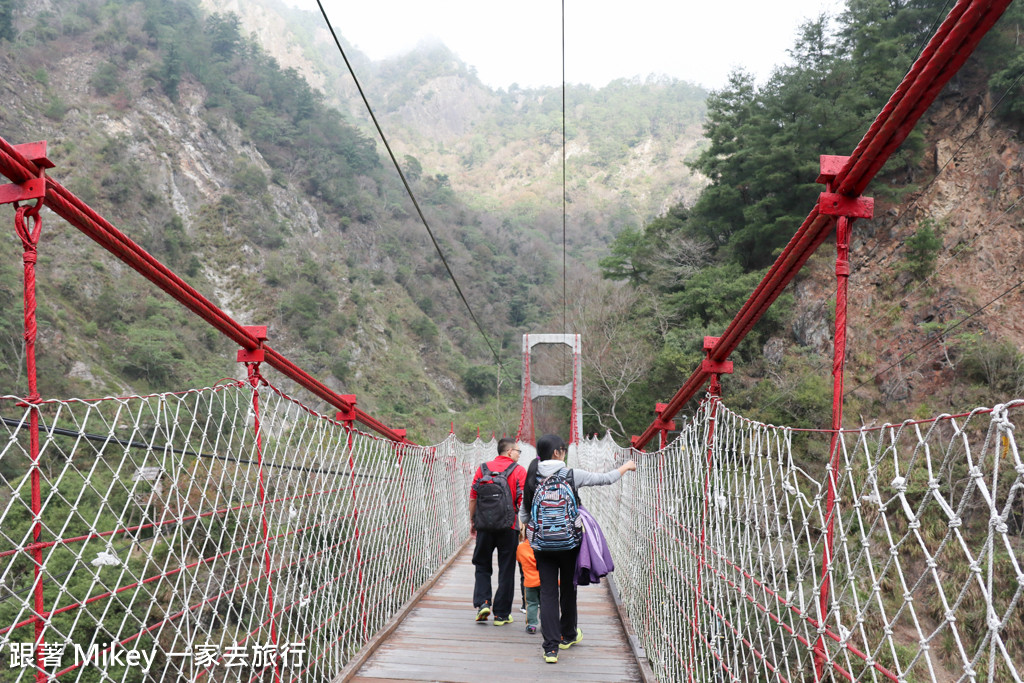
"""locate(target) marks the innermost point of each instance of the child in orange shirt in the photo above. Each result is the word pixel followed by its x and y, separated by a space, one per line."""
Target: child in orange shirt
pixel 531 581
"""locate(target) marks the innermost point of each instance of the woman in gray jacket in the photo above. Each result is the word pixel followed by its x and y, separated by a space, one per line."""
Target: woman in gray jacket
pixel 557 567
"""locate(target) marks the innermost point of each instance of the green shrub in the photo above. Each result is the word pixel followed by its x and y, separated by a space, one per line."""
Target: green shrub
pixel 340 367
pixel 106 80
pixel 480 381
pixel 249 179
pixel 424 328
pixel 56 109
pixel 996 363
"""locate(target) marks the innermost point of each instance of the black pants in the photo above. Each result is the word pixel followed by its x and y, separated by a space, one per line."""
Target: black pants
pixel 505 543
pixel 557 596
pixel 522 584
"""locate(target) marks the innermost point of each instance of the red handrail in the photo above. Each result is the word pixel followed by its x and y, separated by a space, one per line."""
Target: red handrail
pixel 79 214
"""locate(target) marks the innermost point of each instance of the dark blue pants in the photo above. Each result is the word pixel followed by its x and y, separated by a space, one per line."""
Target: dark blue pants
pixel 557 596
pixel 505 543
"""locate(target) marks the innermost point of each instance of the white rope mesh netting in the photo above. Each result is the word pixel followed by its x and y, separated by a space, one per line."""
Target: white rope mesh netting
pixel 926 577
pixel 166 529
pixel 163 528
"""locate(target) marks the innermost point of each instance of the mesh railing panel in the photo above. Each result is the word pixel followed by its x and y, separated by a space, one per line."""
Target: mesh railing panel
pixel 720 559
pixel 166 528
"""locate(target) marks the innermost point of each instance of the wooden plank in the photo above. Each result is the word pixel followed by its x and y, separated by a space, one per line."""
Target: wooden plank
pixel 395 620
pixel 440 640
pixel 491 673
pixel 646 672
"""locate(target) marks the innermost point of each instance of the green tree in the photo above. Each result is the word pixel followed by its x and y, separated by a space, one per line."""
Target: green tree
pixel 168 73
pixel 1003 52
pixel 764 143
pixel 413 168
pixel 7 20
pixel 923 249
pixel 628 258
pixel 224 35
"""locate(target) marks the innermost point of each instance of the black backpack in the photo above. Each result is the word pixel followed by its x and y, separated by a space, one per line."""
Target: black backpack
pixel 495 509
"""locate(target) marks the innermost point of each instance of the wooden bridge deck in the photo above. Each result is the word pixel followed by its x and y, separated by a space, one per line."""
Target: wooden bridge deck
pixel 439 640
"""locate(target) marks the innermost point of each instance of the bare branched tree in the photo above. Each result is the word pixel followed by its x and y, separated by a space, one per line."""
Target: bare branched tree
pixel 678 257
pixel 614 356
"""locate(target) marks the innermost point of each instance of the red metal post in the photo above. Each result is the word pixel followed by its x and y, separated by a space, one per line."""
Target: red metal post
pixel 347 417
pixel 526 433
pixel 252 359
pixel 662 425
pixel 33 189
pixel 715 368
pixel 435 540
pixel 846 208
pixel 651 573
pixel 399 452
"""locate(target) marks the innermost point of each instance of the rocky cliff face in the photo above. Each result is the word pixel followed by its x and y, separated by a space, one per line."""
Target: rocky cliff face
pixel 911 339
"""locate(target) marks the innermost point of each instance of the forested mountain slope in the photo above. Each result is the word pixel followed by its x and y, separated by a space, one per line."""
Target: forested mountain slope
pixel 627 144
pixel 226 165
pixel 936 282
pixel 251 169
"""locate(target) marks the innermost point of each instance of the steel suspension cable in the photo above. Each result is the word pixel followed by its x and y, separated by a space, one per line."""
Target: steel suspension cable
pixel 565 299
pixel 408 188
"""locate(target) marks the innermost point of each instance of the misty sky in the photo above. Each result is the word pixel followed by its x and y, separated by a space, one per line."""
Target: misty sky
pixel 521 42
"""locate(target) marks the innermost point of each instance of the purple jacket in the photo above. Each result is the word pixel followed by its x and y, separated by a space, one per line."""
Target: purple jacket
pixel 595 559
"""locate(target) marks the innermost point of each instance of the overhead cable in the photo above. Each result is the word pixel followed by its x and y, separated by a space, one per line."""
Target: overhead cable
pixel 408 189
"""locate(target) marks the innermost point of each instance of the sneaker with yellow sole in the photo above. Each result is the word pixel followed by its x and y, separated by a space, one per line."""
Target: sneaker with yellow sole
pixel 567 642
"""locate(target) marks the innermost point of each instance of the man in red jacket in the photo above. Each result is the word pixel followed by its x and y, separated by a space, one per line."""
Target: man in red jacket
pixel 494 500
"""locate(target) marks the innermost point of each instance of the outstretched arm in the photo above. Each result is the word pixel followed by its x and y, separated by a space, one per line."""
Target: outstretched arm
pixel 584 478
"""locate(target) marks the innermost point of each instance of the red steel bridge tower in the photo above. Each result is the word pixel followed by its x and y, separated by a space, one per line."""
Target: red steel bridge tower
pixel 570 390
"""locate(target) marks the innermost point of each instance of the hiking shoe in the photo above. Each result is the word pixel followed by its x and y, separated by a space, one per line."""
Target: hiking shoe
pixel 566 643
pixel 498 621
pixel 484 612
pixel 531 629
pixel 551 656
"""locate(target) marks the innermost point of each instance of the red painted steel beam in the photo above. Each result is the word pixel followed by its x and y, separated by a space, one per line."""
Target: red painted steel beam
pixel 951 46
pixel 61 201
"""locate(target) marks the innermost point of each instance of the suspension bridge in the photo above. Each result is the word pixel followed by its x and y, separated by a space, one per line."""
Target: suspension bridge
pixel 234 532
